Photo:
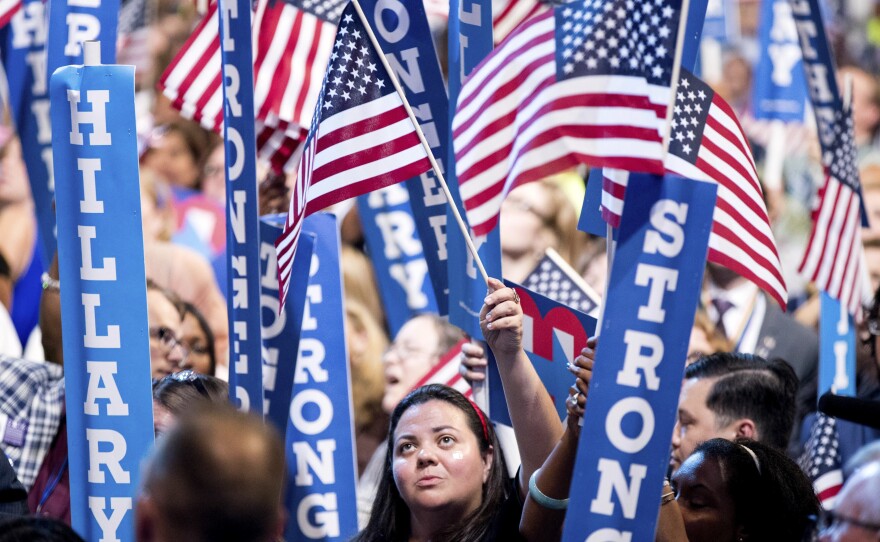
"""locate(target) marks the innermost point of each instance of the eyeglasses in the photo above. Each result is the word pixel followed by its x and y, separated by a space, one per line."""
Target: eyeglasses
pixel 212 170
pixel 405 351
pixel 873 325
pixel 168 339
pixel 835 520
pixel 527 207
pixel 195 348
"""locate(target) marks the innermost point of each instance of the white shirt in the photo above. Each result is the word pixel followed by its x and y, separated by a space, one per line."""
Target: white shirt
pixel 744 319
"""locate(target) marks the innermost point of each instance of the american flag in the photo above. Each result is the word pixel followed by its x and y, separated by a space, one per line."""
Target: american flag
pixel 585 82
pixel 506 14
pixel 447 372
pixel 8 8
pixel 509 14
pixel 361 137
pixel 133 42
pixel 833 260
pixel 292 43
pixel 707 143
pixel 821 460
pixel 555 279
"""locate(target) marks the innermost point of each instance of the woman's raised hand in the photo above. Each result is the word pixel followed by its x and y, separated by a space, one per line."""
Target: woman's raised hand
pixel 582 369
pixel 501 319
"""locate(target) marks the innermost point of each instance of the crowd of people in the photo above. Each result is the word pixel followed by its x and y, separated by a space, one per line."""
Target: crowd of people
pixel 430 463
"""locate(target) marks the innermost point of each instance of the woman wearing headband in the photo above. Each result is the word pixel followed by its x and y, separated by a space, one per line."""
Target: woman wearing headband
pixel 444 477
pixel 741 490
pixel 725 491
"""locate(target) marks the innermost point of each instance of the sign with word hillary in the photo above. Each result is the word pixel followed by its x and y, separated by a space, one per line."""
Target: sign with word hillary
pixel 24 58
pixel 470 41
pixel 837 347
pixel 780 91
pixel 655 284
pixel 73 22
pixel 103 295
pixel 402 30
pixel 320 441
pixel 242 215
pixel 281 329
pixel 396 252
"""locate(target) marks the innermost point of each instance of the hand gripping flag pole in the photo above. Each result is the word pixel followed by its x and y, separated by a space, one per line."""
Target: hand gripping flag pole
pixel 464 229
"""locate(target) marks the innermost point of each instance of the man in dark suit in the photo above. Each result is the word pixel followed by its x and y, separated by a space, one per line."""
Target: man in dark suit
pixel 755 324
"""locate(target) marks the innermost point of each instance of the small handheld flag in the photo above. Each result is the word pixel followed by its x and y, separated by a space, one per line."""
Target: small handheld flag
pixel 707 143
pixel 833 260
pixel 361 138
pixel 586 82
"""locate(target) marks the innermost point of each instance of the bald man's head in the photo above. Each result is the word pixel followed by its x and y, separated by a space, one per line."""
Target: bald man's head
pixel 858 502
pixel 218 475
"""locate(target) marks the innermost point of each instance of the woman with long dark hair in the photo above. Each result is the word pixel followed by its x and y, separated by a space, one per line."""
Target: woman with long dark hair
pixel 444 477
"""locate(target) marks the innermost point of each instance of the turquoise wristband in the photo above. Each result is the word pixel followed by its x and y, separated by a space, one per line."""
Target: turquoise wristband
pixel 544 500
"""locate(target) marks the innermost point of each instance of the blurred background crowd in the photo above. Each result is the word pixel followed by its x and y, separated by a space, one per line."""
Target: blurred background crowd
pixel 182 179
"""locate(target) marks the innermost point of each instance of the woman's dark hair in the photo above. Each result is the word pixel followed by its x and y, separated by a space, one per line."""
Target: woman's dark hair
pixel 389 519
pixel 36 529
pixel 189 308
pixel 774 500
pixel 179 392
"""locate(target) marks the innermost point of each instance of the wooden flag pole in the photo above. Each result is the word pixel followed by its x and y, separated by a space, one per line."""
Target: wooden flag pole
pixel 461 225
pixel 676 73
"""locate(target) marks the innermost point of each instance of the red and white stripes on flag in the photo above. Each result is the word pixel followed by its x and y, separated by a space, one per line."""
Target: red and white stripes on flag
pixel 8 8
pixel 833 260
pixel 291 47
pixel 707 143
pixel 539 104
pixel 447 372
pixel 509 14
pixel 506 14
pixel 361 139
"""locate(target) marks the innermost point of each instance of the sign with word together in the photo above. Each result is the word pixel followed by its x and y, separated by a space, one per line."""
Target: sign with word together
pixel 242 215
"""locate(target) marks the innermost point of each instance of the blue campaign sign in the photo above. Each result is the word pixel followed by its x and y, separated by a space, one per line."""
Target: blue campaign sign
pixel 837 348
pixel 103 295
pixel 73 22
pixel 280 331
pixel 721 21
pixel 821 80
pixel 779 91
pixel 405 37
pixel 242 215
pixel 397 255
pixel 320 441
pixel 553 335
pixel 696 16
pixel 590 220
pixel 24 58
pixel 819 67
pixel 470 40
pixel 655 284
